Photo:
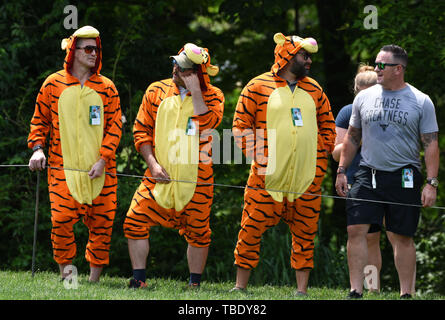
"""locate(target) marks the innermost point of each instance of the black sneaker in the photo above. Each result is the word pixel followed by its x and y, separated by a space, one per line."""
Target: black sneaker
pixel 134 284
pixel 406 296
pixel 355 295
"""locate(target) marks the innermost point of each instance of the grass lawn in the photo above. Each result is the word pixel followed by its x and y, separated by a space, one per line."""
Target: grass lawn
pixel 47 286
pixel 170 299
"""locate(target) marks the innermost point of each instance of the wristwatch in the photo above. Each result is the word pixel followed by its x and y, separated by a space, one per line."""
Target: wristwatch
pixel 341 170
pixel 433 181
pixel 37 147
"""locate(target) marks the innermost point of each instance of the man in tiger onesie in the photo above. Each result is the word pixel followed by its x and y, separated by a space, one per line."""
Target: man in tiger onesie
pixel 283 121
pixel 80 110
pixel 172 132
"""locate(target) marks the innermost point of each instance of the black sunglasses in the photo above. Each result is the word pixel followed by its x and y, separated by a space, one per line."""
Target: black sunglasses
pixel 382 65
pixel 181 69
pixel 89 49
pixel 306 55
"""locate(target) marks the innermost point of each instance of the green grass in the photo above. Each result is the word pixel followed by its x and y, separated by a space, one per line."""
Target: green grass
pixel 47 286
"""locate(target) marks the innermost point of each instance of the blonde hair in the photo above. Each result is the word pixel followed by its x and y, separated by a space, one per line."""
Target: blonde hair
pixel 365 77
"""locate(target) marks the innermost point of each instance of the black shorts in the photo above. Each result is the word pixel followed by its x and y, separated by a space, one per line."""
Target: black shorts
pixel 399 219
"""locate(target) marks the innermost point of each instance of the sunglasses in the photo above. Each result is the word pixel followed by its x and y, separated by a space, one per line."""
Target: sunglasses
pixel 382 65
pixel 306 55
pixel 181 69
pixel 89 49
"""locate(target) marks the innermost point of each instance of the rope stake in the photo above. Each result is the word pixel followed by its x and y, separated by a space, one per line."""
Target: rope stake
pixel 36 218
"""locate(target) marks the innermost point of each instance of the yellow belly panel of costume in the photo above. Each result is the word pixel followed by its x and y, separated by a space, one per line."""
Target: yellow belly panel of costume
pixel 292 150
pixel 177 152
pixel 81 140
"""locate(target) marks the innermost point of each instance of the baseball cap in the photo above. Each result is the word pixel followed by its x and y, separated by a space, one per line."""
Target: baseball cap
pixel 183 61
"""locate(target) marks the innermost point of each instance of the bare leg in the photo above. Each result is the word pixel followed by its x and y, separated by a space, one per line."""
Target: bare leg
pixel 404 260
pixel 197 258
pixel 138 250
pixel 357 255
pixel 95 273
pixel 302 279
pixel 374 255
pixel 64 272
pixel 242 278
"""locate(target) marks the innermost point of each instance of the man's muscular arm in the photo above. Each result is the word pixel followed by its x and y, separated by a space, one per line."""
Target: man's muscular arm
pixel 431 147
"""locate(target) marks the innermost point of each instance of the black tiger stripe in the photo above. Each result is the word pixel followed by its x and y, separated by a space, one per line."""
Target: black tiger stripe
pixel 302 248
pixel 248 98
pixel 251 244
pixel 137 214
pixel 59 195
pixel 61 236
pixel 258 93
pixel 263 213
pixel 67 84
pixel 157 213
pixel 95 256
pixel 158 87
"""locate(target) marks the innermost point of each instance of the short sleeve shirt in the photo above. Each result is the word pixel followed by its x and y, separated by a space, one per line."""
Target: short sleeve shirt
pixel 391 123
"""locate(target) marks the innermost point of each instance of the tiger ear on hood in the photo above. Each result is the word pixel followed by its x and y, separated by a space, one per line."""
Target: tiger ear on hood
pixel 64 43
pixel 279 38
pixel 212 70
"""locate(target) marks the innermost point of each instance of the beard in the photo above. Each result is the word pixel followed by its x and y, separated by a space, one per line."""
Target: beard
pixel 298 69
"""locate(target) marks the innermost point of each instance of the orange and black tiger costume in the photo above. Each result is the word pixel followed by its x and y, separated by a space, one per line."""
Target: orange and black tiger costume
pixel 62 110
pixel 286 157
pixel 179 205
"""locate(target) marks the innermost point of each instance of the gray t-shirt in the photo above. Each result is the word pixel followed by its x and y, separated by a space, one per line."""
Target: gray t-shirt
pixel 391 123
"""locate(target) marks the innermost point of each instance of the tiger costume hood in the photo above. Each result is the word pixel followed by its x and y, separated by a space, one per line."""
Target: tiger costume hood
pixel 200 56
pixel 287 48
pixel 69 45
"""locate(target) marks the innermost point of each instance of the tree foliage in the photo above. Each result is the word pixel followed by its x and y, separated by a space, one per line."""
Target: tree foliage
pixel 138 37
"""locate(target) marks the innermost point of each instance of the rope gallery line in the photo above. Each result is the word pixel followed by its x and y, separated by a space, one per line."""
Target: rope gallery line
pixel 235 186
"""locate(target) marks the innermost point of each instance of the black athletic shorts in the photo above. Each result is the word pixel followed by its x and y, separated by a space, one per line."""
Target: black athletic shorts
pixel 399 219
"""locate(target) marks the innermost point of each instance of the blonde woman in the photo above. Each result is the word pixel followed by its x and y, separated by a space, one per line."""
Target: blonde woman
pixel 365 78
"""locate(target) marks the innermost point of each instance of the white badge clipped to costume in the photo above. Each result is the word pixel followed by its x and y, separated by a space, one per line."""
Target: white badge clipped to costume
pixel 297 119
pixel 407 178
pixel 95 115
pixel 191 127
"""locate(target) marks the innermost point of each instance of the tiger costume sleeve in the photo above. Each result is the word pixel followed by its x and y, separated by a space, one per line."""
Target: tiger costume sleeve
pixel 41 120
pixel 113 125
pixel 244 121
pixel 214 100
pixel 326 122
pixel 144 123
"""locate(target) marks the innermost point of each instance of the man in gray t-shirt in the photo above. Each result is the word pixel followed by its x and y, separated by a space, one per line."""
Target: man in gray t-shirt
pixel 389 120
pixel 392 122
